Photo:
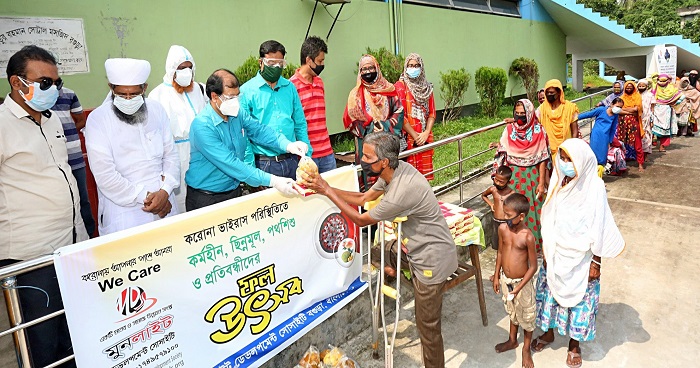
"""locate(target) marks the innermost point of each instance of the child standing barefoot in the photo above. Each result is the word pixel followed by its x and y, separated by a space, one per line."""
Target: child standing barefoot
pixel 516 264
pixel 499 191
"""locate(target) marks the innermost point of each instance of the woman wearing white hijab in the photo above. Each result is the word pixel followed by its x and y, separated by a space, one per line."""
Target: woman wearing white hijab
pixel 577 230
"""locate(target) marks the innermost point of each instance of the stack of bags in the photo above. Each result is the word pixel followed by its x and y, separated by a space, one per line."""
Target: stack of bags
pixel 460 221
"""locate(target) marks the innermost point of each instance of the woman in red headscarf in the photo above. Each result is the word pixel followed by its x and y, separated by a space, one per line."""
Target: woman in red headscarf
pixel 525 149
pixel 372 106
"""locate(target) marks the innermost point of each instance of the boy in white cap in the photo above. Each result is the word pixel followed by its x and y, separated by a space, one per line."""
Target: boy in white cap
pixel 182 98
pixel 131 151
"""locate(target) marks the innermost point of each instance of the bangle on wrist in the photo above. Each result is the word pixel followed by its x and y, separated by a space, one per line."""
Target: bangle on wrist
pixel 596 262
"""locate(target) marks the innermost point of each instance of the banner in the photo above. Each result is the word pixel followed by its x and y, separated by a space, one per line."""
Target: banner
pixel 664 61
pixel 229 285
pixel 64 37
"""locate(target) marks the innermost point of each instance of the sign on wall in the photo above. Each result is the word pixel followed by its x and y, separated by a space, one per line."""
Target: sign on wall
pixel 65 37
pixel 665 61
pixel 229 285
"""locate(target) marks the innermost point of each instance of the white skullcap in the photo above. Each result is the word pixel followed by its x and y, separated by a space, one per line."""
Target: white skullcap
pixel 176 56
pixel 127 72
pixel 643 80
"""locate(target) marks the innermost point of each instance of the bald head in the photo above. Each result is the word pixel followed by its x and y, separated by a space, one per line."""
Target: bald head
pixel 222 82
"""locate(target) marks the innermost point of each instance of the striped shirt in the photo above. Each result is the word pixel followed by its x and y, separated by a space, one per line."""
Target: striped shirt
pixel 312 96
pixel 66 105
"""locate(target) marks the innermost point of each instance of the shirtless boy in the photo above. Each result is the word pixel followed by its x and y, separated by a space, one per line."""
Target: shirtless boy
pixel 499 191
pixel 516 264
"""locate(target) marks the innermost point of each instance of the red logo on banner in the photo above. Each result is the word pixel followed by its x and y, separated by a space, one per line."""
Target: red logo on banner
pixel 133 301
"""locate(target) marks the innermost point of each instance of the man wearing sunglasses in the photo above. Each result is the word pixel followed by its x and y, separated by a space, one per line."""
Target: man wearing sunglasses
pixel 273 101
pixel 40 205
pixel 131 151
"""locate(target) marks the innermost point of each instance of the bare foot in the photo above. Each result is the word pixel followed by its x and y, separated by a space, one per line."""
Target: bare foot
pixel 641 168
pixel 527 358
pixel 505 346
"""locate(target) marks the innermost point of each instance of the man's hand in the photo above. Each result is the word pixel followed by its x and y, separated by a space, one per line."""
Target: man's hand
pixel 316 183
pixel 283 185
pixel 422 138
pixel 298 148
pixel 166 210
pixel 540 192
pixel 496 284
pixel 156 202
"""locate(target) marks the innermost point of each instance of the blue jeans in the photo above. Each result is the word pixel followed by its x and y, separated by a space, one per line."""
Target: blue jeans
pixel 286 168
pixel 325 163
pixel 85 209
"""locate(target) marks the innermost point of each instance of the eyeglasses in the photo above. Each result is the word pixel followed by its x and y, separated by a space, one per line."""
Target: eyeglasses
pixel 226 98
pixel 45 82
pixel 128 96
pixel 276 63
pixel 368 69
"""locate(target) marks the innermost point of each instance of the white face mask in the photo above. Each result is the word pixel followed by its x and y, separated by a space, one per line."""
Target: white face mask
pixel 616 110
pixel 128 107
pixel 229 107
pixel 183 77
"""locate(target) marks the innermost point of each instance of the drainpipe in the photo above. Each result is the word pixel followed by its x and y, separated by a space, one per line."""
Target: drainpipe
pixel 392 35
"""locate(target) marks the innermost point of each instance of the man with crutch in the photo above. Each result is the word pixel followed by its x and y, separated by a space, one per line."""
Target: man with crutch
pixel 429 245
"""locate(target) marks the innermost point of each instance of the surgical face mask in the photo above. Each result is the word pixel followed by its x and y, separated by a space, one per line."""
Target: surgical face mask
pixel 413 72
pixel 183 77
pixel 229 107
pixel 616 110
pixel 317 69
pixel 567 168
pixel 271 73
pixel 367 168
pixel 520 119
pixel 551 98
pixel 369 77
pixel 130 106
pixel 38 99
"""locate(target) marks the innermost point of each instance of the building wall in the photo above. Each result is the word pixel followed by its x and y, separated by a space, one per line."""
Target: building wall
pixel 223 33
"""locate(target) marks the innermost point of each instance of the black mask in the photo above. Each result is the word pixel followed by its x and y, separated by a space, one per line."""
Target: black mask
pixel 510 223
pixel 367 168
pixel 500 187
pixel 641 90
pixel 317 69
pixel 520 119
pixel 369 77
pixel 551 98
pixel 693 78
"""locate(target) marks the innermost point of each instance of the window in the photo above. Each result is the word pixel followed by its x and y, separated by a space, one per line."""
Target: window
pixel 501 7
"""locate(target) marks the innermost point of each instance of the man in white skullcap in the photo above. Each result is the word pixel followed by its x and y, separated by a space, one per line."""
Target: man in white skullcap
pixel 182 98
pixel 131 151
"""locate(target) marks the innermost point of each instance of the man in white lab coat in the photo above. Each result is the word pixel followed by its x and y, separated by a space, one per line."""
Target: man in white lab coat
pixel 182 98
pixel 131 151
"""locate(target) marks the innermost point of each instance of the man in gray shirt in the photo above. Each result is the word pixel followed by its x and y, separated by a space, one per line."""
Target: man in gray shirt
pixel 431 251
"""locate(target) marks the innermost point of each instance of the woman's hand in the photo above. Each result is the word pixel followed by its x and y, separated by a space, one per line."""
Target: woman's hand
pixel 493 145
pixel 422 138
pixel 594 272
pixel 540 192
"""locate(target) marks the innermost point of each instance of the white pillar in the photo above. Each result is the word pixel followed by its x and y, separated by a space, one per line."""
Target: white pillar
pixel 577 73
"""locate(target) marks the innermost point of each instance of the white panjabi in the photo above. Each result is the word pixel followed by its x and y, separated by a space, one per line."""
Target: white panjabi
pixel 576 224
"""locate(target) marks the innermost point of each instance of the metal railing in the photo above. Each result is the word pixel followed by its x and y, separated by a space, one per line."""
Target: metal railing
pixel 8 274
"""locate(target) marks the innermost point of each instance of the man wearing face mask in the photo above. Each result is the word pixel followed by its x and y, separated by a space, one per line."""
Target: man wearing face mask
pixel 219 138
pixel 131 151
pixel 430 248
pixel 273 101
pixel 40 209
pixel 311 91
pixel 182 98
pixel 558 116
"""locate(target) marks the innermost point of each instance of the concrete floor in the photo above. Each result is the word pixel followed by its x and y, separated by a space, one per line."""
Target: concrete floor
pixel 647 315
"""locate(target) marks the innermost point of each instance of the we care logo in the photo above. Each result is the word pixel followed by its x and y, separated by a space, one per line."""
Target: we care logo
pixel 133 301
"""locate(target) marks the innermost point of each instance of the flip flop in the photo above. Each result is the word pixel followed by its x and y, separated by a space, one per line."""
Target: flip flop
pixel 539 342
pixel 571 356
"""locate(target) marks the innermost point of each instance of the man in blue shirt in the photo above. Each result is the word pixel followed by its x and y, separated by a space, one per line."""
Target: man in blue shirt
pixel 274 102
pixel 218 139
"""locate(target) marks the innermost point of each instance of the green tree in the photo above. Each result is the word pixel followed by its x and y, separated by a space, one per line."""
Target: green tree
pixel 453 88
pixel 391 65
pixel 491 86
pixel 529 74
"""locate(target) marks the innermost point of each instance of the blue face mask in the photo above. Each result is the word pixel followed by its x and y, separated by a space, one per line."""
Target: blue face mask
pixel 567 168
pixel 38 99
pixel 413 72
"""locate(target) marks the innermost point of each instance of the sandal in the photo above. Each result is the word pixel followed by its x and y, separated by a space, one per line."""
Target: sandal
pixel 571 355
pixel 539 344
